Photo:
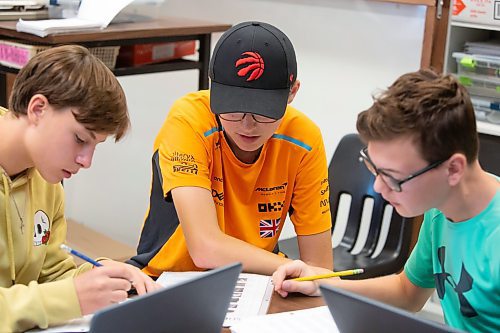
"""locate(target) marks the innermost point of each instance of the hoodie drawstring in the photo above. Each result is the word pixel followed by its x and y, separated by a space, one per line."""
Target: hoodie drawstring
pixel 10 242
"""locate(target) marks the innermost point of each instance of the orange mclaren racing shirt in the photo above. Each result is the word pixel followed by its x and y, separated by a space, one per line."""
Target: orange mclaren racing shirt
pixel 251 200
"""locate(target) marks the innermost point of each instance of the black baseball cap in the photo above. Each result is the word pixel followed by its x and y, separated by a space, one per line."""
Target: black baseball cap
pixel 252 70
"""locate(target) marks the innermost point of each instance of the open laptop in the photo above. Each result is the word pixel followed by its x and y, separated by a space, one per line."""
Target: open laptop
pixel 198 305
pixel 354 313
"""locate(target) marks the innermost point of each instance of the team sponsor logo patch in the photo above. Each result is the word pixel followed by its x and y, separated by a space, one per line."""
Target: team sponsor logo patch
pixel 182 157
pixel 269 228
pixel 218 195
pixel 270 207
pixel 272 189
pixel 185 167
pixel 325 190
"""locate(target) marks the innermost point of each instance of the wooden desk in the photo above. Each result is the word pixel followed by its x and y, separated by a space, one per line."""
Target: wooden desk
pixel 95 244
pixel 170 29
pixel 291 303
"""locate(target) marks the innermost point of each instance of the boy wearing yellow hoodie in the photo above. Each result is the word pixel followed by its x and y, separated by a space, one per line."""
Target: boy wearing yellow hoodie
pixel 64 102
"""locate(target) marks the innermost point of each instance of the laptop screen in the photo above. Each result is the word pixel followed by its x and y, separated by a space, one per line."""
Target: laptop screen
pixel 354 313
pixel 198 305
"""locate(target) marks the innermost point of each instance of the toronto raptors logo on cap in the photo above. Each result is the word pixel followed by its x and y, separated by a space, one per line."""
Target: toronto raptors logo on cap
pixel 254 65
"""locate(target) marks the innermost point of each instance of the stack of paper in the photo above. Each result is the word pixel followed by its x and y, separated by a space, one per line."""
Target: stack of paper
pixel 251 295
pixel 489 47
pixel 92 14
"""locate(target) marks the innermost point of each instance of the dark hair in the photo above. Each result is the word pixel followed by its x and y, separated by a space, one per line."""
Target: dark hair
pixel 435 110
pixel 70 76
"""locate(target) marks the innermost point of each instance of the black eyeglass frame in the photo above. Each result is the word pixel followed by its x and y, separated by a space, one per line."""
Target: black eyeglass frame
pixel 393 183
pixel 244 114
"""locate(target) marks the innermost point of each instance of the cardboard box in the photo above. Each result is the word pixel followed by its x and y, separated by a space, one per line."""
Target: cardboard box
pixel 477 11
pixel 141 54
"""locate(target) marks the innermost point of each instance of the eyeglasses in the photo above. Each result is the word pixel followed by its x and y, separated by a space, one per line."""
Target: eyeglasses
pixel 393 183
pixel 238 116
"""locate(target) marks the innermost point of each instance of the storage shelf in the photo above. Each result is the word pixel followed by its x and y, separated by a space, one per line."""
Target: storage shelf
pixel 475 25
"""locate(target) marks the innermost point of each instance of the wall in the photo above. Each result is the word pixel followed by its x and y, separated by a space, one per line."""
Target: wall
pixel 346 50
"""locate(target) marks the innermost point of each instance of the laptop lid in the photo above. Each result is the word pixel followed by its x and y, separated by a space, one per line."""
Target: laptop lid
pixel 198 305
pixel 354 313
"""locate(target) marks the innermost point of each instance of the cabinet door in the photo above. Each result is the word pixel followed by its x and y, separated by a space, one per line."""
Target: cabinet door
pixel 436 26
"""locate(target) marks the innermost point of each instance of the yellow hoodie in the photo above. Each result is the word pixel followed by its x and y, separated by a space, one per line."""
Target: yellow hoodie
pixel 36 284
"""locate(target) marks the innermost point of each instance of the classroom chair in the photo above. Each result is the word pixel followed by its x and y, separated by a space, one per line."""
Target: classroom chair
pixel 488 153
pixel 367 232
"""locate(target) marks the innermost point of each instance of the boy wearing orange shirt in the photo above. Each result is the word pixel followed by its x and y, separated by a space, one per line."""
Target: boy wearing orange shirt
pixel 229 164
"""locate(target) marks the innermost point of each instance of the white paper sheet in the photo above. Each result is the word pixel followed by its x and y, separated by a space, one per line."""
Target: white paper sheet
pixel 317 320
pixel 251 295
pixel 92 14
pixel 102 11
pixel 75 325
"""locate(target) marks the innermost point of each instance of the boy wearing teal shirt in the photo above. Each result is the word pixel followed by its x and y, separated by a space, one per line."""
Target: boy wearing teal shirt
pixel 460 260
pixel 422 146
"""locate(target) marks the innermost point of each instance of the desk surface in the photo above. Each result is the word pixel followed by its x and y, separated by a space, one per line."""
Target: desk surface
pixel 291 303
pixel 168 26
pixel 94 244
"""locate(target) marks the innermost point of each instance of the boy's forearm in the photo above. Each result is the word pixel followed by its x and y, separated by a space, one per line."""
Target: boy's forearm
pixel 394 289
pixel 316 250
pixel 208 246
pixel 226 249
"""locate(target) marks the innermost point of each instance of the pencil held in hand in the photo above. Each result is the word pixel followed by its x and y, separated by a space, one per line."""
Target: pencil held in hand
pixel 334 274
pixel 79 255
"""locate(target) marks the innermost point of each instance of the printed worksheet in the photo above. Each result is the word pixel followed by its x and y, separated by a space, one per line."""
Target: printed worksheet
pixel 251 295
pixel 317 320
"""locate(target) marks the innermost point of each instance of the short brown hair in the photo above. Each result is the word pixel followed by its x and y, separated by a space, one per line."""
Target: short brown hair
pixel 435 110
pixel 70 76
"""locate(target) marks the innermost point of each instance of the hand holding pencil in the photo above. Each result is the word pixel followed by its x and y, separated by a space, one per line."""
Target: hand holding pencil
pixel 297 276
pixel 330 275
pixel 108 284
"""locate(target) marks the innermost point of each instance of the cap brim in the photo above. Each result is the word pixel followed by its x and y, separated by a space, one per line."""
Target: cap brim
pixel 267 103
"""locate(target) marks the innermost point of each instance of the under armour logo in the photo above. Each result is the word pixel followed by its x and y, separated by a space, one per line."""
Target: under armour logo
pixel 254 65
pixel 464 284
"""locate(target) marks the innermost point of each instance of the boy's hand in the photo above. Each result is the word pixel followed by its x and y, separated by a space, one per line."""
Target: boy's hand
pixel 295 269
pixel 140 281
pixel 103 286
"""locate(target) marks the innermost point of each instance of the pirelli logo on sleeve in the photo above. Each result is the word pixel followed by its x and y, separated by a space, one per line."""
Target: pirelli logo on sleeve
pixel 185 167
pixel 184 163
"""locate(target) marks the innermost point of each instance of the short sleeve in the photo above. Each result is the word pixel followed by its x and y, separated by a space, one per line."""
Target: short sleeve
pixel 419 266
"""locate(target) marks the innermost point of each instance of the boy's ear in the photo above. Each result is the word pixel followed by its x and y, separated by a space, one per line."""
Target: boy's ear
pixel 457 164
pixel 293 91
pixel 37 107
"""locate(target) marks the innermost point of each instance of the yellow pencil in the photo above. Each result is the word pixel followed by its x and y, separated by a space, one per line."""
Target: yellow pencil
pixel 334 274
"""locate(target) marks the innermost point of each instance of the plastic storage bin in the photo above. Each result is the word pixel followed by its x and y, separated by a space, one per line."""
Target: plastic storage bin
pixel 480 85
pixel 477 64
pixel 486 109
pixel 16 55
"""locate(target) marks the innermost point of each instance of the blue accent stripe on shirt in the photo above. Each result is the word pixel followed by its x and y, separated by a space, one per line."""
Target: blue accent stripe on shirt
pixel 210 131
pixel 292 140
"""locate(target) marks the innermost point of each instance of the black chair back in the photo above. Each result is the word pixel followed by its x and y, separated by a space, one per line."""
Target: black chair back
pixel 375 237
